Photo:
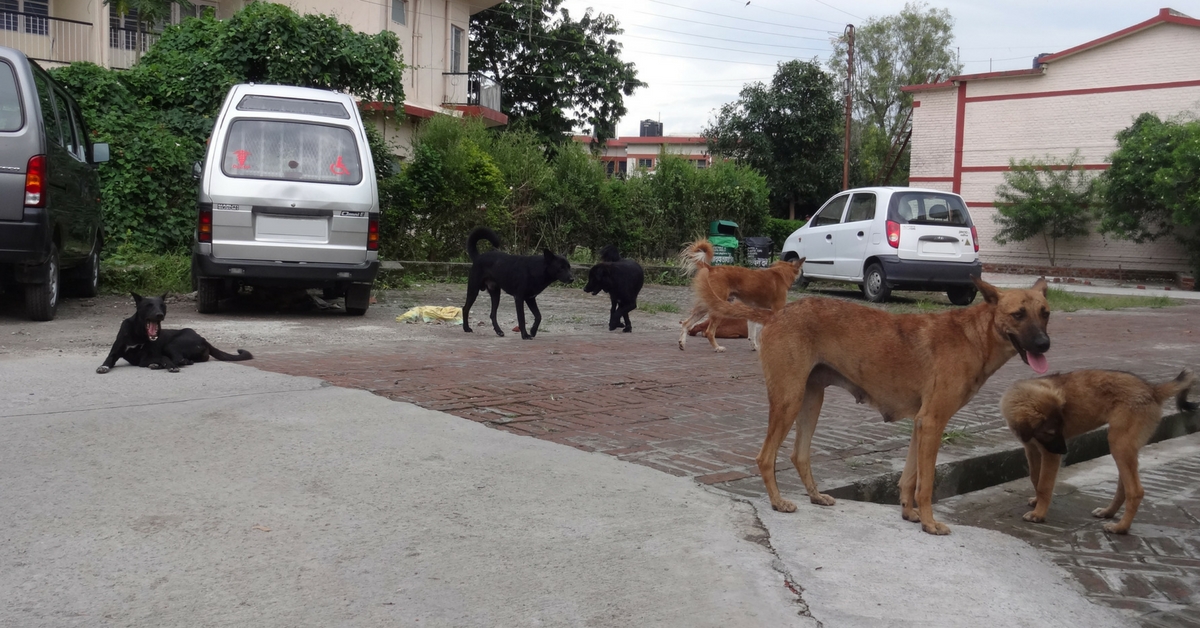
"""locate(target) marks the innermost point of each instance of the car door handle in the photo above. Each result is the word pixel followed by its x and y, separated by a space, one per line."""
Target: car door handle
pixel 860 234
pixel 828 236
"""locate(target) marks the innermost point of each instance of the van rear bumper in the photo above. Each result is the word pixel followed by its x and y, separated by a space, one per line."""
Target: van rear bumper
pixel 25 241
pixel 903 273
pixel 309 275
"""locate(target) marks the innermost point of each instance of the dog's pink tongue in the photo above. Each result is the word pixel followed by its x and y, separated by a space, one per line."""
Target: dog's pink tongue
pixel 152 329
pixel 1037 362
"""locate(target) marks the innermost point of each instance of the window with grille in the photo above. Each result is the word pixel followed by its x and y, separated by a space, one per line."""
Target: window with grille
pixel 456 49
pixel 25 15
pixel 400 11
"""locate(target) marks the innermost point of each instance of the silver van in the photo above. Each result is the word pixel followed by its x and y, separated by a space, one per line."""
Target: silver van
pixel 287 197
pixel 51 229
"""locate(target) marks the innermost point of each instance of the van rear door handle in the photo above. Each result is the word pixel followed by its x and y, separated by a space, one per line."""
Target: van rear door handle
pixel 828 236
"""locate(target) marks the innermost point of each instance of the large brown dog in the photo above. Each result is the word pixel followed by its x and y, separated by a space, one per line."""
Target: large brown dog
pixel 758 287
pixel 1046 411
pixel 924 366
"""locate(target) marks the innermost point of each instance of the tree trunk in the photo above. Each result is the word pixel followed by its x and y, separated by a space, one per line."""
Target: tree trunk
pixel 791 209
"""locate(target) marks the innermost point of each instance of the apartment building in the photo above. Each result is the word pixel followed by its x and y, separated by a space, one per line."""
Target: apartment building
pixel 633 154
pixel 433 38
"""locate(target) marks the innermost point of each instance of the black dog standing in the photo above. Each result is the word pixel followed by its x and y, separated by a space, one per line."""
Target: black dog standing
pixel 523 276
pixel 622 279
pixel 141 341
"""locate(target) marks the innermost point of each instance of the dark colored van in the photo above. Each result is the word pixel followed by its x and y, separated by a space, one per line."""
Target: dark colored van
pixel 50 224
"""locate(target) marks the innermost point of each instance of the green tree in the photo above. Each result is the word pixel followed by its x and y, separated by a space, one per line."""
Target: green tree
pixel 788 131
pixel 556 73
pixel 1152 189
pixel 910 48
pixel 1048 198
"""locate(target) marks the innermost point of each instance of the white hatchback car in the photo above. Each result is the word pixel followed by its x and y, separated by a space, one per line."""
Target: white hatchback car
pixel 891 238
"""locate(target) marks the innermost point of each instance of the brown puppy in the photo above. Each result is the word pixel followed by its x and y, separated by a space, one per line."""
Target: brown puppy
pixel 924 366
pixel 1046 411
pixel 758 287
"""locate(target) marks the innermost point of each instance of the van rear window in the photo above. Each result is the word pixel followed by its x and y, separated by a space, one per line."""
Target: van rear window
pixel 275 104
pixel 293 151
pixel 11 116
pixel 929 208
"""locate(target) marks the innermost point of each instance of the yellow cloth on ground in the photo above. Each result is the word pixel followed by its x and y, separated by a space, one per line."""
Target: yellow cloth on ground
pixel 431 314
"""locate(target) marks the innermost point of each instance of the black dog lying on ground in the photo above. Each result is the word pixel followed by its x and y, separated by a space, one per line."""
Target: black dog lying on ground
pixel 524 277
pixel 622 279
pixel 142 341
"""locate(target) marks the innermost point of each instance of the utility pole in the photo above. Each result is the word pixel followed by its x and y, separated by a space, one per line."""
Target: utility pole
pixel 849 34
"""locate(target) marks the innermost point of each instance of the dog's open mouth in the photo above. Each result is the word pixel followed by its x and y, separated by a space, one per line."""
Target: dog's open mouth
pixel 152 330
pixel 1036 361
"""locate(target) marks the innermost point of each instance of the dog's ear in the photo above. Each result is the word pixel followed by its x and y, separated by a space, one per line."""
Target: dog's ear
pixel 990 293
pixel 1050 433
pixel 1040 284
pixel 137 298
pixel 164 296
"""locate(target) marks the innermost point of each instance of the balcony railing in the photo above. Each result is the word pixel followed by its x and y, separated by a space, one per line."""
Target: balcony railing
pixel 127 45
pixel 44 38
pixel 471 88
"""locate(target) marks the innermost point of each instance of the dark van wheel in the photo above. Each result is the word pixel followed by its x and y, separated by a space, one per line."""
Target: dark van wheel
pixel 874 285
pixel 358 299
pixel 961 295
pixel 41 299
pixel 208 295
pixel 84 280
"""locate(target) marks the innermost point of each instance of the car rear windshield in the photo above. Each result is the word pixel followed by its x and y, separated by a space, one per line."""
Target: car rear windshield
pixel 292 151
pixel 11 117
pixel 275 104
pixel 929 208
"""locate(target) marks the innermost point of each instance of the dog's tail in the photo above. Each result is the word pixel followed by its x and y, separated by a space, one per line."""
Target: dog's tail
pixel 609 254
pixel 1177 388
pixel 242 354
pixel 695 256
pixel 481 233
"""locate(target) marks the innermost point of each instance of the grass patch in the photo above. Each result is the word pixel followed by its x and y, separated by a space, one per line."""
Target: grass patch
pixel 655 308
pixel 948 436
pixel 129 269
pixel 1066 301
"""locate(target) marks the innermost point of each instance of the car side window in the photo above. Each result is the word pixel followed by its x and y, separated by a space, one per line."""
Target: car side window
pixel 80 139
pixel 831 213
pixel 11 116
pixel 862 207
pixel 49 117
pixel 69 134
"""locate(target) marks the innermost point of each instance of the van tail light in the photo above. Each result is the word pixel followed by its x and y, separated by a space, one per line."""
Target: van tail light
pixel 893 234
pixel 35 181
pixel 204 223
pixel 373 233
pixel 975 238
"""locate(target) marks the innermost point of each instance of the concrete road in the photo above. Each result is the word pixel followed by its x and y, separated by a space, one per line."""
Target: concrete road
pixel 224 495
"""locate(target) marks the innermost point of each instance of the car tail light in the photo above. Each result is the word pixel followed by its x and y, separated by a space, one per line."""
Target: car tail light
pixel 204 223
pixel 975 238
pixel 373 234
pixel 893 234
pixel 35 181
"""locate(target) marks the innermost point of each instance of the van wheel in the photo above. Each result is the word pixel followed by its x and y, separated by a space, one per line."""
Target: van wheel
pixel 358 299
pixel 84 281
pixel 208 295
pixel 874 285
pixel 41 299
pixel 962 295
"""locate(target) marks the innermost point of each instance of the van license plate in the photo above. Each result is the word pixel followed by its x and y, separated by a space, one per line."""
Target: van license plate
pixel 286 229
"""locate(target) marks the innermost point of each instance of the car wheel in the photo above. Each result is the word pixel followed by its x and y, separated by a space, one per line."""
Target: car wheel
pixel 41 299
pixel 962 295
pixel 208 295
pixel 874 285
pixel 358 299
pixel 84 281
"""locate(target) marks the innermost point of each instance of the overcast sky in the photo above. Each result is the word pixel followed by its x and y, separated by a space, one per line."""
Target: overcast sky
pixel 697 54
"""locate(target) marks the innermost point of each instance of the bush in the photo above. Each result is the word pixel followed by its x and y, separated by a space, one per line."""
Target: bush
pixel 132 269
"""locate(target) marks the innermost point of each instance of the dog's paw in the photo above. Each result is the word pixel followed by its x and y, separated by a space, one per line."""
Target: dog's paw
pixel 173 369
pixel 468 329
pixel 186 362
pixel 936 528
pixel 784 505
pixel 910 514
pixel 681 345
pixel 628 330
pixel 719 349
pixel 1033 517
pixel 1103 513
pixel 823 500
pixel 1116 528
pixel 102 369
pixel 500 333
pixel 526 337
pixel 154 366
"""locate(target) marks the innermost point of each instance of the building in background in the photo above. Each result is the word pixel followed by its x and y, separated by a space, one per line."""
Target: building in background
pixel 433 38
pixel 651 128
pixel 631 155
pixel 968 128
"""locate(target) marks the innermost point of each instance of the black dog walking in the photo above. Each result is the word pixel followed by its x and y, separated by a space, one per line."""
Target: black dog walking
pixel 141 341
pixel 523 276
pixel 622 279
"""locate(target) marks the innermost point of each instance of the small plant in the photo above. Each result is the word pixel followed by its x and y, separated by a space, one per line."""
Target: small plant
pixel 655 308
pixel 131 269
pixel 1065 301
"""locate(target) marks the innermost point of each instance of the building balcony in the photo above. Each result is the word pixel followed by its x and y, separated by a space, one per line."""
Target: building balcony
pixel 46 39
pixel 475 95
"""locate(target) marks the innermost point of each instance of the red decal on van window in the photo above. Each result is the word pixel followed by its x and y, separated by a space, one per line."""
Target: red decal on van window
pixel 241 156
pixel 339 168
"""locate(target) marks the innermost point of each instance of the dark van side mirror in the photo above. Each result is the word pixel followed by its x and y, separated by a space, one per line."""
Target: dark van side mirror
pixel 99 153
